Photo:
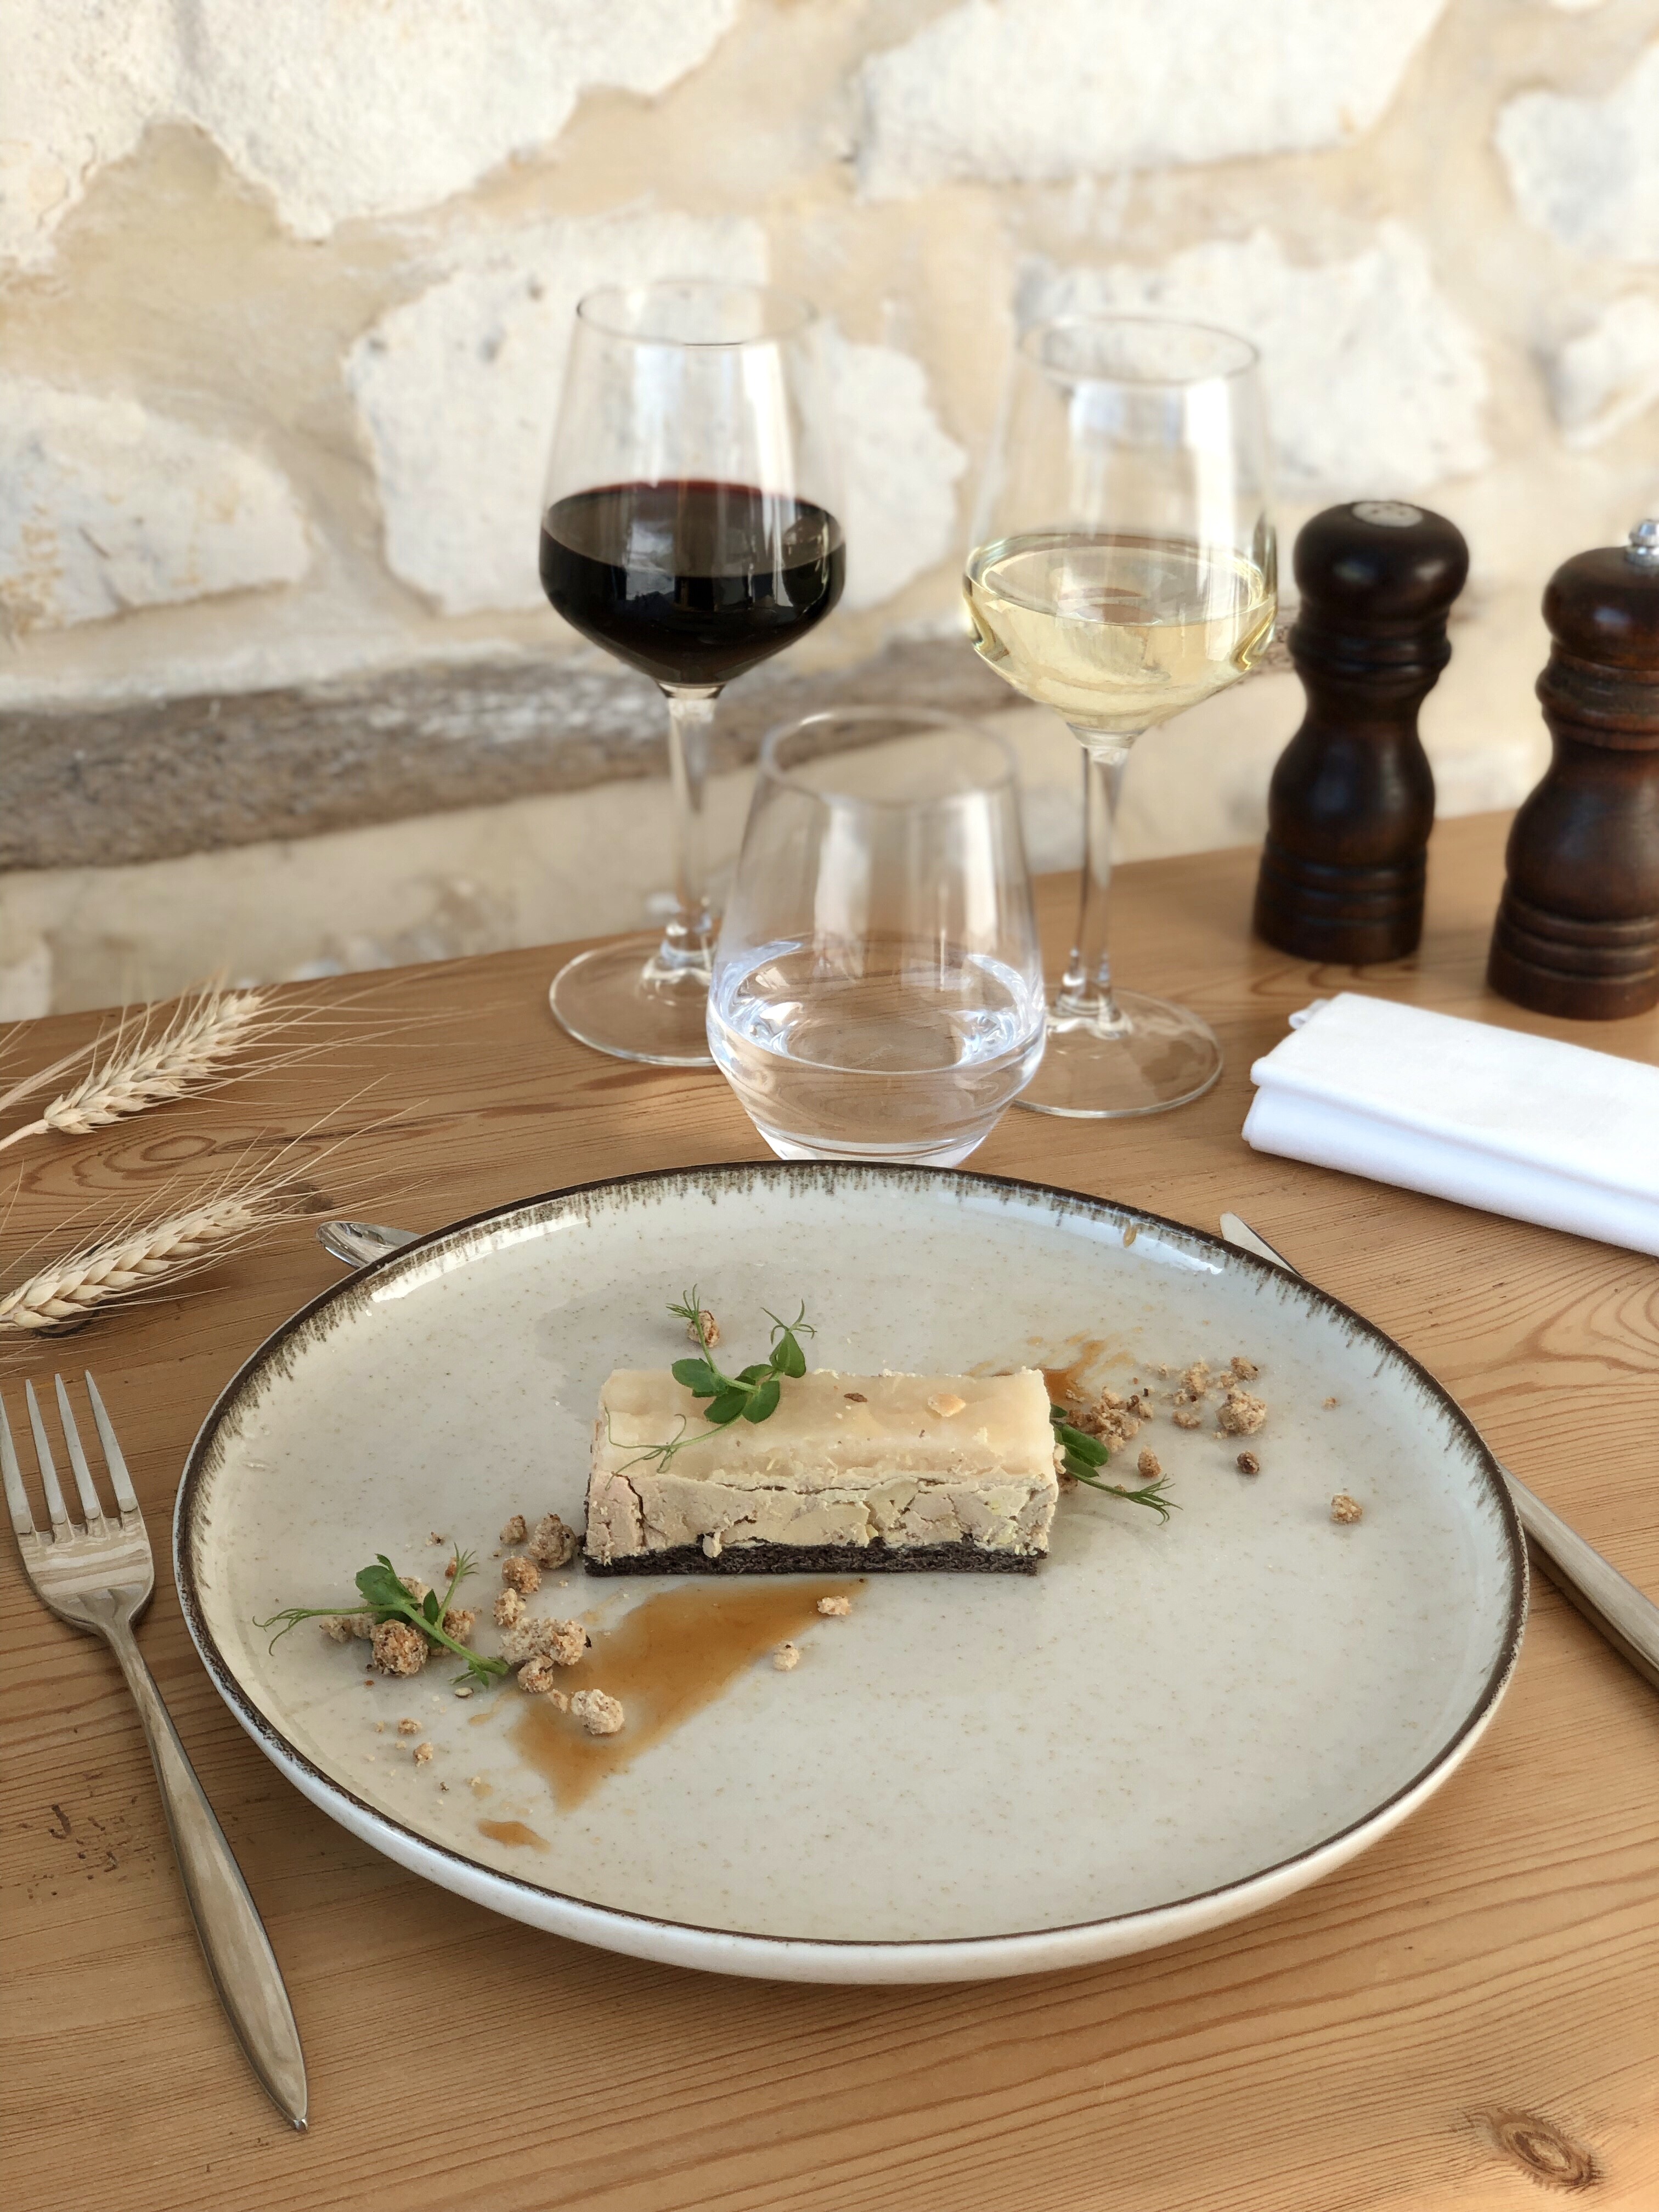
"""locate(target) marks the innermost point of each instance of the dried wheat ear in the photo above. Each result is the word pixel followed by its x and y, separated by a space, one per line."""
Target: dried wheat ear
pixel 146 1066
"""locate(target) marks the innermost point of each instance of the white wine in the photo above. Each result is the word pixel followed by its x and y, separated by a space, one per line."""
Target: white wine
pixel 1117 633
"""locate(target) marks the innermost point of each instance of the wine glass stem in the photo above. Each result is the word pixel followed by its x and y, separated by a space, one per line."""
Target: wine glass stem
pixel 688 941
pixel 1085 988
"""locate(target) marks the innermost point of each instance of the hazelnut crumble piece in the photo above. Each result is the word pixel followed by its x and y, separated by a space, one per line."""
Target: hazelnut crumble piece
pixel 515 1531
pixel 408 1728
pixel 417 1589
pixel 537 1675
pixel 1346 1509
pixel 423 1754
pixel 1183 1419
pixel 459 1622
pixel 1245 1369
pixel 711 1328
pixel 945 1403
pixel 836 1607
pixel 855 1397
pixel 1196 1380
pixel 1330 1402
pixel 521 1575
pixel 398 1649
pixel 1241 1415
pixel 787 1658
pixel 598 1714
pixel 1149 1466
pixel 561 1642
pixel 1248 1463
pixel 507 1609
pixel 551 1543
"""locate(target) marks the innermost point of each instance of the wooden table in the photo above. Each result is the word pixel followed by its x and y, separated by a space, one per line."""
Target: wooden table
pixel 1469 2011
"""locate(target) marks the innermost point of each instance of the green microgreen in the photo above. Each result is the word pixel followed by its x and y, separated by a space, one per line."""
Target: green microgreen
pixel 753 1395
pixel 1085 1454
pixel 383 1595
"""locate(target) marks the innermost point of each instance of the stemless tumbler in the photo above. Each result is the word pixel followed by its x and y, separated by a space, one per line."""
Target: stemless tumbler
pixel 878 983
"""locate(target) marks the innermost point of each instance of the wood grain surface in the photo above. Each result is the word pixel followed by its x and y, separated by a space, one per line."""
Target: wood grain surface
pixel 1467 2017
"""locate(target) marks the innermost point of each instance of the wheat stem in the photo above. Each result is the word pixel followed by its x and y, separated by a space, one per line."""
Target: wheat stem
pixel 187 1054
pixel 137 1260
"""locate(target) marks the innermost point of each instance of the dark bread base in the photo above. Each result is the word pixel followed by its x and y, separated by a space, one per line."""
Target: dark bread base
pixel 821 1559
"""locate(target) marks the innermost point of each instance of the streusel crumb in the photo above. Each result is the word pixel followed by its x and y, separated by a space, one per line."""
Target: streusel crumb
pixel 562 1642
pixel 398 1649
pixel 515 1530
pixel 787 1658
pixel 1245 1369
pixel 1241 1415
pixel 521 1575
pixel 1149 1466
pixel 1248 1463
pixel 537 1675
pixel 1345 1509
pixel 836 1607
pixel 423 1754
pixel 551 1543
pixel 432 1537
pixel 408 1728
pixel 459 1622
pixel 559 1699
pixel 711 1328
pixel 598 1714
pixel 507 1609
pixel 339 1630
pixel 1183 1419
pixel 1197 1378
pixel 1330 1402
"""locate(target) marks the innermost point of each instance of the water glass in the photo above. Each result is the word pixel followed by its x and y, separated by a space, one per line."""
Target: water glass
pixel 878 983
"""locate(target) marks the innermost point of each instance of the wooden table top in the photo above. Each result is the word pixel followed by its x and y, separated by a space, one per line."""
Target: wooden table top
pixel 1468 2012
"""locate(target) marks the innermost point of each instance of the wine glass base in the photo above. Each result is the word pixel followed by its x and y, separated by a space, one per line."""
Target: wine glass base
pixel 1156 1055
pixel 620 999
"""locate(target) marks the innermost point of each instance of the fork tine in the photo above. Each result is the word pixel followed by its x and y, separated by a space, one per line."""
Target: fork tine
pixel 17 1499
pixel 55 1505
pixel 83 1482
pixel 125 1496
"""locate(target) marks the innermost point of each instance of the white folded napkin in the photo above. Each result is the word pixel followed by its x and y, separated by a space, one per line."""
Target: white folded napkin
pixel 1519 1125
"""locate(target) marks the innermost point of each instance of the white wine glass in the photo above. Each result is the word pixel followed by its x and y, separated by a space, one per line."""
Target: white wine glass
pixel 689 526
pixel 1124 568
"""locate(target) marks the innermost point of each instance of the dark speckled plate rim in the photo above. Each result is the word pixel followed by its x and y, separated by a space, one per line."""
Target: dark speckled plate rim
pixel 736 1175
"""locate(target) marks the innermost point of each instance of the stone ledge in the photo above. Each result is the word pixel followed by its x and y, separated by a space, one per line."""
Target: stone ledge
pixel 145 780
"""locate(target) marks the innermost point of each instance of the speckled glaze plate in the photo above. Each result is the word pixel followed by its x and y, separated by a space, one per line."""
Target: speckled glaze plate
pixel 1166 1726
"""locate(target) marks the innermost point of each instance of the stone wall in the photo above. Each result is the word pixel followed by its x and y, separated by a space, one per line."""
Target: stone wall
pixel 285 292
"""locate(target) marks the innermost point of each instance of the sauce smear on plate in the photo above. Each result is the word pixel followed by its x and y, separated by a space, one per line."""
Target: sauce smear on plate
pixel 666 1660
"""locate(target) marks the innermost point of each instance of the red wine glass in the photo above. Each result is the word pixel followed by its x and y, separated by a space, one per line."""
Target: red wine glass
pixel 690 528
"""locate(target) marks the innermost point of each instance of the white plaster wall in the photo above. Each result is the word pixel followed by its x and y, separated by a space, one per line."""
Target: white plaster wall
pixel 282 293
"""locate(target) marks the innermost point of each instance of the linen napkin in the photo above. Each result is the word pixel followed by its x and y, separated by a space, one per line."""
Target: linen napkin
pixel 1520 1125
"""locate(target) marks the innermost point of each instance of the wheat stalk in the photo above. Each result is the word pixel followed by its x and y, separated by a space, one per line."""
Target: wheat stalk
pixel 136 1260
pixel 153 1069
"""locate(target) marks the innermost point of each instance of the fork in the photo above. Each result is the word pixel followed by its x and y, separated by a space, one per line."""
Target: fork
pixel 99 1575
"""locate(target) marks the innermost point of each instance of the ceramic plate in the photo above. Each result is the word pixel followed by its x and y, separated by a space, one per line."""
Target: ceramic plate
pixel 1167 1726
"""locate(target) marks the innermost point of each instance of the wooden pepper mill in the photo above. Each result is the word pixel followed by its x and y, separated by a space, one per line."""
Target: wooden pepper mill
pixel 1352 800
pixel 1577 930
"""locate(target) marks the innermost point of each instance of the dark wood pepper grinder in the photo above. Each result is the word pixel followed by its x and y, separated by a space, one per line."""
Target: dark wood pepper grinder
pixel 1352 800
pixel 1577 930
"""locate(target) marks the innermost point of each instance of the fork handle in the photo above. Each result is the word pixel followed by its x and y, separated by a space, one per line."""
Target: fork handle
pixel 233 1937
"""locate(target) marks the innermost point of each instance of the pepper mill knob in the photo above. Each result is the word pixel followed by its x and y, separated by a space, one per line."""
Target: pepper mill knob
pixel 1577 929
pixel 1352 800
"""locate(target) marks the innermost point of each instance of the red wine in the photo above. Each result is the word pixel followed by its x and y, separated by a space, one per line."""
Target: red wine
pixel 693 582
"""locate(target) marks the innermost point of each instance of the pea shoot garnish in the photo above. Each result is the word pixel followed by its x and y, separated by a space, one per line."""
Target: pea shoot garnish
pixel 753 1395
pixel 385 1597
pixel 1085 1454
